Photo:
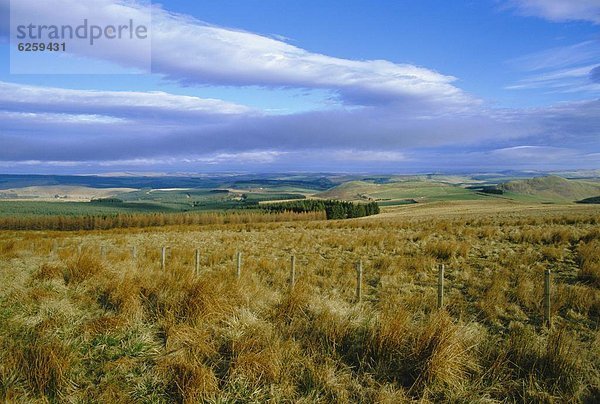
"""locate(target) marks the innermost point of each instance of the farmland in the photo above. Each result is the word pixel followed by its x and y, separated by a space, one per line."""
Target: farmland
pixel 27 196
pixel 85 320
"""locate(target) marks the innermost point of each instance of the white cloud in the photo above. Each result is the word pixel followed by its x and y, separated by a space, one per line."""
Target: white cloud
pixel 251 157
pixel 369 156
pixel 192 52
pixel 561 80
pixel 560 10
pixel 562 69
pixel 219 55
pixel 559 57
pixel 50 118
pixel 93 101
pixel 534 153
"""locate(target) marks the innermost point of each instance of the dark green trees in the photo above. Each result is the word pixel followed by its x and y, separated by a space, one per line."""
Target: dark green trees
pixel 333 209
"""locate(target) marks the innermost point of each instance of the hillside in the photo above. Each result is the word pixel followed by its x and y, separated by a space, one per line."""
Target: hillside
pixel 420 190
pixel 553 188
pixel 350 190
pixel 61 193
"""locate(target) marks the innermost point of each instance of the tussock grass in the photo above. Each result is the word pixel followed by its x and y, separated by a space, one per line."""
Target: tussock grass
pixel 35 361
pixel 81 268
pixel 588 258
pixel 77 327
pixel 48 271
pixel 444 250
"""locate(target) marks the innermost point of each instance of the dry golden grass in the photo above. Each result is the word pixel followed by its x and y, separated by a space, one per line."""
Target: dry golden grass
pixel 79 327
pixel 588 257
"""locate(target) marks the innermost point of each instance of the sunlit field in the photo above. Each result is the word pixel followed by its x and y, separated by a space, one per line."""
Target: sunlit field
pixel 92 316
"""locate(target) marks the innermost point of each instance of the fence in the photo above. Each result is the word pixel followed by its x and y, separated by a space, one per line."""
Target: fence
pixel 441 269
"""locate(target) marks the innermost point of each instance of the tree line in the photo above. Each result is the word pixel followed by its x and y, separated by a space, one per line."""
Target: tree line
pixel 105 222
pixel 333 209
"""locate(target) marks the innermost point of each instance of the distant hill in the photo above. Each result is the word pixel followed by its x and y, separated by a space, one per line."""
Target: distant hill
pixel 349 190
pixel 61 193
pixel 414 188
pixel 316 182
pixel 553 188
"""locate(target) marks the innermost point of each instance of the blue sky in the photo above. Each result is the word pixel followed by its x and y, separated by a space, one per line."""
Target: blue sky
pixel 355 85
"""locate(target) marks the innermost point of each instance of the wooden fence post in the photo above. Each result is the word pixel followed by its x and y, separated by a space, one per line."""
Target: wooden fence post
pixel 197 267
pixel 547 316
pixel 292 272
pixel 163 257
pixel 359 276
pixel 440 301
pixel 78 249
pixel 133 252
pixel 102 252
pixel 238 272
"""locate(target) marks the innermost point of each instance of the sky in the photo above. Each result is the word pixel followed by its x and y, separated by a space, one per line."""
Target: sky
pixel 382 86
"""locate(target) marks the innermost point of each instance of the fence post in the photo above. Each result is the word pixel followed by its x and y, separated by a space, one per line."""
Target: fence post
pixel 440 286
pixel 292 272
pixel 197 269
pixel 239 265
pixel 359 276
pixel 133 252
pixel 102 252
pixel 547 316
pixel 163 255
pixel 78 249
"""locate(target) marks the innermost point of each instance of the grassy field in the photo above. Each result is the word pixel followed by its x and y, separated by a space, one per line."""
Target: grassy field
pixel 400 192
pixel 76 326
pixel 396 190
pixel 420 190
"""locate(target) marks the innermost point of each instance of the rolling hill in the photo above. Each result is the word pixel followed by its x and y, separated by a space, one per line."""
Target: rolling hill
pixel 553 188
pixel 415 189
pixel 61 193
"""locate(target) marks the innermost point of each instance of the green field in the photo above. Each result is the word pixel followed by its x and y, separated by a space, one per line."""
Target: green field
pixel 146 201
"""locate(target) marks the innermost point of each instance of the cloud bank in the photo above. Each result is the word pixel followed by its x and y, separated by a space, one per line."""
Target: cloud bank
pixel 42 124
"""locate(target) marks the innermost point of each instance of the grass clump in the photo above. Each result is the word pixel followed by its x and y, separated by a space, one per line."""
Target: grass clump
pixel 37 363
pixel 588 257
pixel 81 268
